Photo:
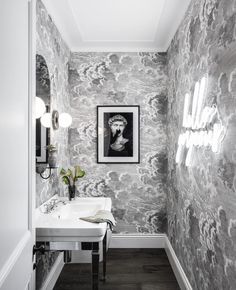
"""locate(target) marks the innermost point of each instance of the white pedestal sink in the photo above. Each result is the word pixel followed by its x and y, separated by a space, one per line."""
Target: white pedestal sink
pixel 58 224
pixel 63 222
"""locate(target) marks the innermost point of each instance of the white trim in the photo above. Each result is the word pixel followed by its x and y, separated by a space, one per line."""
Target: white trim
pixel 176 267
pixel 31 129
pixel 31 112
pixel 54 273
pixel 125 48
pixel 12 260
pixel 138 241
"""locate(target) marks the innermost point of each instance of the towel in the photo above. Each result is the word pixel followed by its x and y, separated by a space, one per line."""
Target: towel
pixel 102 216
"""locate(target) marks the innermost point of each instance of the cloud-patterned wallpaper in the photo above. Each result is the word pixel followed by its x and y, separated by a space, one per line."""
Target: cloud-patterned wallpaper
pixel 138 191
pixel 202 198
pixel 55 52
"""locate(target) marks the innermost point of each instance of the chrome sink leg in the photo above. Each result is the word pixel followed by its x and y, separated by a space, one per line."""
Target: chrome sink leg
pixel 67 256
pixel 104 244
pixel 95 265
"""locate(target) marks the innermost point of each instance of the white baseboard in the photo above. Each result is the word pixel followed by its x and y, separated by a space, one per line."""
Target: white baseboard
pixel 138 241
pixel 176 267
pixel 54 273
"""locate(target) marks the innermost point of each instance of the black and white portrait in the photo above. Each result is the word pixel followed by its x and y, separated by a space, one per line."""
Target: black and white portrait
pixel 119 138
pixel 118 134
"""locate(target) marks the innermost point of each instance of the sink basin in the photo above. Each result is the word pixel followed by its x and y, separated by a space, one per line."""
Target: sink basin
pixel 77 209
pixel 63 222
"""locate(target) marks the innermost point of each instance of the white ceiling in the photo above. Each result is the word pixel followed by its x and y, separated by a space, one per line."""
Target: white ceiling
pixel 117 25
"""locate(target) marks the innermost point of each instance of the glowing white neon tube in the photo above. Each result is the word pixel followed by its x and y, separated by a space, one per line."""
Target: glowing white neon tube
pixel 217 137
pixel 205 117
pixel 212 114
pixel 181 147
pixel 186 110
pixel 194 104
pixel 189 157
pixel 179 153
pixel 201 97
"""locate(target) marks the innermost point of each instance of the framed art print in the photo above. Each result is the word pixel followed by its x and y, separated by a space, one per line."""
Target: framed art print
pixel 118 134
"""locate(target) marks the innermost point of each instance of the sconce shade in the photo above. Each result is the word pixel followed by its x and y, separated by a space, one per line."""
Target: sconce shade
pixel 65 120
pixel 40 107
pixel 46 120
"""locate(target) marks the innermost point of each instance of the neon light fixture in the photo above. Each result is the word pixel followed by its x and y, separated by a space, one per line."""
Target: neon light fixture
pixel 203 127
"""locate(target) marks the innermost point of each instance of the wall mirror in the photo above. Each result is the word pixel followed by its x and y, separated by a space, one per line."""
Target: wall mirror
pixel 43 92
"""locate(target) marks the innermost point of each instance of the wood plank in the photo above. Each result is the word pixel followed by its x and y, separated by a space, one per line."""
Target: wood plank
pixel 127 269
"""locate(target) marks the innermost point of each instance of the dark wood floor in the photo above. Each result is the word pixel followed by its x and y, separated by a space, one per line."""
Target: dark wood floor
pixel 127 269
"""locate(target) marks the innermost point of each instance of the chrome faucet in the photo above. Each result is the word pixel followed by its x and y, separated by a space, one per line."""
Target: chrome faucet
pixel 52 204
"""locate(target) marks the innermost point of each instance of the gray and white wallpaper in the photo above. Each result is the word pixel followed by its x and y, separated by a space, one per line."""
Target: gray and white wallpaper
pixel 51 47
pixel 202 198
pixel 138 191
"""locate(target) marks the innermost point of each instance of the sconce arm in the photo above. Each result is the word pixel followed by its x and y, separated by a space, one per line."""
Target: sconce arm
pixel 48 176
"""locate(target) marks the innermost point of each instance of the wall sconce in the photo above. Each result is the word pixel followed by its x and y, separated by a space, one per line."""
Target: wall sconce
pixel 57 120
pixel 40 169
pixel 40 107
pixel 48 119
pixel 51 164
pixel 65 120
